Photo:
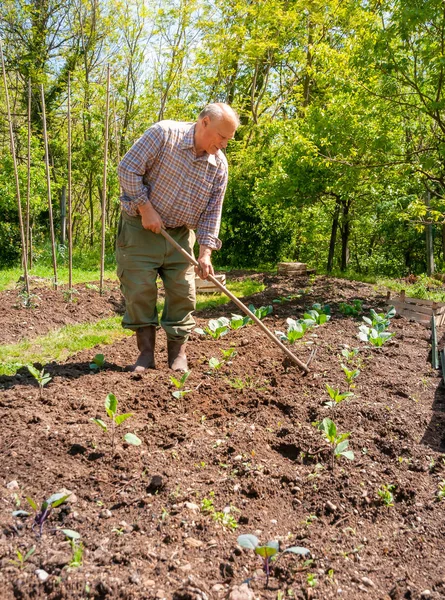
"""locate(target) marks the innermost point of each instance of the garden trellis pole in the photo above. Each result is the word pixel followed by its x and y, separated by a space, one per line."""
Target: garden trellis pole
pixel 104 186
pixel 28 187
pixel 48 186
pixel 70 208
pixel 238 302
pixel 16 175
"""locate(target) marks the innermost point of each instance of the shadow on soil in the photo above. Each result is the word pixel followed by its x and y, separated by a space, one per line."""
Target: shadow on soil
pixel 67 370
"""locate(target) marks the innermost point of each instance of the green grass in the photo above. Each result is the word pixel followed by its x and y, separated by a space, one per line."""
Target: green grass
pixel 60 344
pixel 9 277
pixel 425 287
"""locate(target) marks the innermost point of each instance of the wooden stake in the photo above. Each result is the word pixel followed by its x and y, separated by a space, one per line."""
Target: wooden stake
pixel 16 174
pixel 28 189
pixel 48 186
pixel 70 214
pixel 104 186
pixel 238 302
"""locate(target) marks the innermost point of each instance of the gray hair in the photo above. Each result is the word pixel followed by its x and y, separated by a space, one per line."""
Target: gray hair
pixel 217 111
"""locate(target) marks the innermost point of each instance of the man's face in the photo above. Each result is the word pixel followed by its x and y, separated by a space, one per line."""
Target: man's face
pixel 216 134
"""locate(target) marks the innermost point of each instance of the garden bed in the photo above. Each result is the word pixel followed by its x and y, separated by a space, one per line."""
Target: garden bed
pixel 158 521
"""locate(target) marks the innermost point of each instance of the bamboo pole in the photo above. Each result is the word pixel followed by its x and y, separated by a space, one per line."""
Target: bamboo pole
pixel 70 214
pixel 16 175
pixel 238 302
pixel 104 186
pixel 48 186
pixel 28 188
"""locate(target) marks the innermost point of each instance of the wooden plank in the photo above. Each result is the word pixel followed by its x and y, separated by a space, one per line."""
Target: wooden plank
pixel 424 310
pixel 291 265
pixel 420 318
pixel 204 286
pixel 434 351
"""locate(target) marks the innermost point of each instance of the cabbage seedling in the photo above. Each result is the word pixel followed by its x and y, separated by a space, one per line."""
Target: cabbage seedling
pixel 268 552
pixel 179 384
pixel 295 331
pixel 386 495
pixel 41 377
pixel 237 321
pixel 336 396
pixel 338 442
pixel 350 354
pixel 374 337
pixel 98 362
pixel 350 375
pixel 22 558
pixel 116 420
pixel 380 321
pixel 351 310
pixel 216 364
pixel 261 312
pixel 313 317
pixel 216 328
pixel 45 510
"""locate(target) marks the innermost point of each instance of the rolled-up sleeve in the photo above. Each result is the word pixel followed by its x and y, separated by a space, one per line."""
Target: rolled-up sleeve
pixel 210 219
pixel 134 166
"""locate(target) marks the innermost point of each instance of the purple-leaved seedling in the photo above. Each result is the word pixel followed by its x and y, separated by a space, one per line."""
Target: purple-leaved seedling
pixel 42 514
pixel 268 552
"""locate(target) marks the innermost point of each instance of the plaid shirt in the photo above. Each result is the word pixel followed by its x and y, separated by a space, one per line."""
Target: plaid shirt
pixel 183 188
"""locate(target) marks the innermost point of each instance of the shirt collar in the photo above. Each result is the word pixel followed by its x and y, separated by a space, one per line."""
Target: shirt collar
pixel 188 142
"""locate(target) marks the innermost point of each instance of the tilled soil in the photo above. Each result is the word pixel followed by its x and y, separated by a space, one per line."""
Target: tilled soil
pixel 242 441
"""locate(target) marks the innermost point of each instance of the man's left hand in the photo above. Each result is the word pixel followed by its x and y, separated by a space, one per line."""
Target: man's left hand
pixel 205 267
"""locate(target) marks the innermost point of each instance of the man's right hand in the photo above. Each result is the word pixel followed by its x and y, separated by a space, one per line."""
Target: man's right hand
pixel 150 218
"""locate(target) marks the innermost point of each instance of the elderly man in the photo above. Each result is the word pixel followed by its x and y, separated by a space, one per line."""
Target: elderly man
pixel 174 177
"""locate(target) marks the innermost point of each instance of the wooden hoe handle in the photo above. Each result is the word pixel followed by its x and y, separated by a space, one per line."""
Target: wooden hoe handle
pixel 238 302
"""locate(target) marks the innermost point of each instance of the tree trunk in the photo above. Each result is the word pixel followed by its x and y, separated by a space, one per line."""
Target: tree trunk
pixel 345 232
pixel 333 235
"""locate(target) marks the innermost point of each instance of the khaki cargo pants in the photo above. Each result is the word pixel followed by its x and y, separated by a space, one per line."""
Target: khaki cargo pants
pixel 141 255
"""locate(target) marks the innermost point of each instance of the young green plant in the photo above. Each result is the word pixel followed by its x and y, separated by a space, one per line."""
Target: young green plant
pixel 350 375
pixel 216 364
pixel 374 337
pixel 216 328
pixel 116 420
pixel 179 385
pixel 385 493
pixel 268 552
pixel 98 362
pixel 336 396
pixel 338 441
pixel 41 377
pixel 295 331
pixel 46 508
pixel 22 558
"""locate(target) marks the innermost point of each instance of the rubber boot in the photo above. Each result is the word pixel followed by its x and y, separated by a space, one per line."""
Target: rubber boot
pixel 146 338
pixel 177 360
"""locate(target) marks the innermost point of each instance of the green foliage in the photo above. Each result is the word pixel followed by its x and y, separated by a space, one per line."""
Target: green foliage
pixel 41 377
pixel 268 552
pixel 313 317
pixel 225 518
pixel 338 441
pixel 42 514
pixel 261 312
pixel 380 321
pixel 216 328
pixel 336 396
pixel 179 385
pixel 351 310
pixel 295 330
pixel 441 490
pixel 385 493
pixel 350 375
pixel 22 558
pixel 98 362
pixel 116 420
pixel 374 337
pixel 350 355
pixel 216 364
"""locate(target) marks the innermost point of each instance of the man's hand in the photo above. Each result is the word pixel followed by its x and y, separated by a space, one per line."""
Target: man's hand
pixel 205 263
pixel 150 218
